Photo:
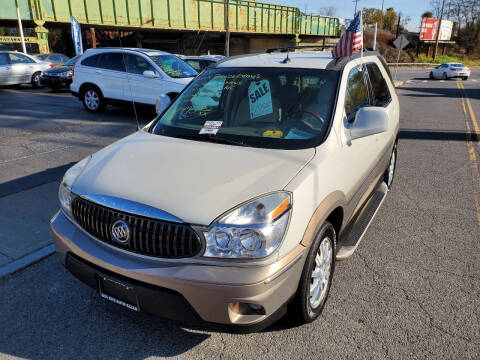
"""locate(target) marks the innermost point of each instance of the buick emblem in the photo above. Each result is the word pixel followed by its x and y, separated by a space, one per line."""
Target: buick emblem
pixel 121 232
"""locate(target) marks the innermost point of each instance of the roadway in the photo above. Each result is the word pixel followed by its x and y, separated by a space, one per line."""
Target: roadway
pixel 412 289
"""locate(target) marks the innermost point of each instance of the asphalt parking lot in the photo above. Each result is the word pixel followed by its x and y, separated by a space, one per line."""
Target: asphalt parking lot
pixel 412 289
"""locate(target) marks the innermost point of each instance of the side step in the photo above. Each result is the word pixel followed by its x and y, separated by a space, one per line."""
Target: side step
pixel 353 234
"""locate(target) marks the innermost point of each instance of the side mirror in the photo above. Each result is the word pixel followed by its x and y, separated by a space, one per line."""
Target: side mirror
pixel 162 103
pixel 150 74
pixel 369 121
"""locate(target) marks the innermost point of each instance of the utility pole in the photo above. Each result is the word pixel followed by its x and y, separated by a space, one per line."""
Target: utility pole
pixel 227 28
pixel 381 17
pixel 398 24
pixel 356 3
pixel 438 32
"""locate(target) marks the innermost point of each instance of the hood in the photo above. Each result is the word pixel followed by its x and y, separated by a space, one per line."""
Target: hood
pixel 58 69
pixel 193 180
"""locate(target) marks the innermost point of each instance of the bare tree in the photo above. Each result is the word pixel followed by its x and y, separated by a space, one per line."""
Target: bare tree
pixel 328 10
pixel 436 6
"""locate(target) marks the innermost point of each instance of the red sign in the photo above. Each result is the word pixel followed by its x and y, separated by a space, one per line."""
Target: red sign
pixel 429 29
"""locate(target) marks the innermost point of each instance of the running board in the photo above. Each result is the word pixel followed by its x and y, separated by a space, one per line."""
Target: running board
pixel 353 234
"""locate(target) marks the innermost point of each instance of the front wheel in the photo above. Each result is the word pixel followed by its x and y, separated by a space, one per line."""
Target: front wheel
pixel 36 80
pixel 431 75
pixel 390 171
pixel 316 277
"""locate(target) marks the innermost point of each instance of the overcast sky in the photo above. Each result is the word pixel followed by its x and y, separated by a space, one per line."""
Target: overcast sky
pixel 345 8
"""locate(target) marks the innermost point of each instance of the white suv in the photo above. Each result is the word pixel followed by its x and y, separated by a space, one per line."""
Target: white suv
pixel 241 195
pixel 108 75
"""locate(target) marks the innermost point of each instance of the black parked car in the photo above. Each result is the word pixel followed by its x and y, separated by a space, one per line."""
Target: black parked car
pixel 60 76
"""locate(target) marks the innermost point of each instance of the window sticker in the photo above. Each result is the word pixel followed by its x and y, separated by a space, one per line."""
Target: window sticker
pixel 210 127
pixel 260 98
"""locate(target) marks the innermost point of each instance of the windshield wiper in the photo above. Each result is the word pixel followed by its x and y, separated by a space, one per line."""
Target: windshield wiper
pixel 211 138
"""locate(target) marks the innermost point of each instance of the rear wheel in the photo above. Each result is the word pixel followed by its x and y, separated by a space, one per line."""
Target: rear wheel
pixel 316 277
pixel 444 77
pixel 36 80
pixel 465 78
pixel 390 171
pixel 93 100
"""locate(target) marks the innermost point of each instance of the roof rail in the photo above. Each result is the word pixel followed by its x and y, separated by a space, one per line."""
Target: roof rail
pixel 299 47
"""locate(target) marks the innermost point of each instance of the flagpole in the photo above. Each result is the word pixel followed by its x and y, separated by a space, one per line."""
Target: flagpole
pixel 361 27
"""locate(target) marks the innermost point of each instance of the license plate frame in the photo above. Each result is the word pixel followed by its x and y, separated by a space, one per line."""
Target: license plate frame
pixel 118 292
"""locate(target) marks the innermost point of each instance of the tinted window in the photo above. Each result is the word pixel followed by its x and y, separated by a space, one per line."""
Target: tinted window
pixel 111 61
pixel 381 94
pixel 42 57
pixel 357 94
pixel 4 59
pixel 19 59
pixel 253 106
pixel 91 61
pixel 137 65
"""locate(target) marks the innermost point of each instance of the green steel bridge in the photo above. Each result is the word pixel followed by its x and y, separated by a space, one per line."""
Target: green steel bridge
pixel 244 17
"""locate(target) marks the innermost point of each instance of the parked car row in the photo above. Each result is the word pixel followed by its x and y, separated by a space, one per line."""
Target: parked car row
pixel 19 68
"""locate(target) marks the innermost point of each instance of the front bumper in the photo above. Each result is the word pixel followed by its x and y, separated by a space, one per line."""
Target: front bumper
pixel 194 293
pixel 55 82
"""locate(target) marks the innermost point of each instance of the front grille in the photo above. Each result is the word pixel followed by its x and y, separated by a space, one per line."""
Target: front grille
pixel 147 236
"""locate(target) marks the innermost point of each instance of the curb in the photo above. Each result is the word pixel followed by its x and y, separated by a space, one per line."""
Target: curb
pixel 26 261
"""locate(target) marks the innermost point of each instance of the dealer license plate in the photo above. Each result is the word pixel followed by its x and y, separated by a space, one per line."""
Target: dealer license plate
pixel 117 292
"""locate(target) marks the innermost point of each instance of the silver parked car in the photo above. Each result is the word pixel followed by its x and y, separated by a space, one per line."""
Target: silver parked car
pixel 18 68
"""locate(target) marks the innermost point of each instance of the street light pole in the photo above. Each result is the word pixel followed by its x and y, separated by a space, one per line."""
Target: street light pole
pixel 438 32
pixel 381 17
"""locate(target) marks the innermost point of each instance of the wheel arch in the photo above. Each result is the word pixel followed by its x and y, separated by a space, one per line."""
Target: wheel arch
pixel 86 85
pixel 330 209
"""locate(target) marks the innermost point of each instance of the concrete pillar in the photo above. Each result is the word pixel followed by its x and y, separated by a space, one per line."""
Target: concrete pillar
pixel 94 38
pixel 42 37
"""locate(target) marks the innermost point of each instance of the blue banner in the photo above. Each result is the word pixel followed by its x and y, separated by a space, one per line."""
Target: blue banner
pixel 76 36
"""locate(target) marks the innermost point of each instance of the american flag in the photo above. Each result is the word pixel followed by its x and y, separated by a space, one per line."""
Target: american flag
pixel 351 41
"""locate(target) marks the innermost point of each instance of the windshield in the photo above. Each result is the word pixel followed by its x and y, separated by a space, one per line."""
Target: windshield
pixel 457 65
pixel 71 62
pixel 262 107
pixel 173 66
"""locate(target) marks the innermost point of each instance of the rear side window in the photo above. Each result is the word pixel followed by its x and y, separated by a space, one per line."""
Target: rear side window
pixel 380 93
pixel 20 59
pixel 357 94
pixel 111 61
pixel 4 59
pixel 91 61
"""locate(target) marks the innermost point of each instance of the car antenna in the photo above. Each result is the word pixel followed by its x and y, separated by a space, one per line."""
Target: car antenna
pixel 287 59
pixel 128 80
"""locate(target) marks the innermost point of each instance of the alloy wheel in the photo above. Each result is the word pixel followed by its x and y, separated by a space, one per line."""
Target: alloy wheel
pixel 92 99
pixel 321 273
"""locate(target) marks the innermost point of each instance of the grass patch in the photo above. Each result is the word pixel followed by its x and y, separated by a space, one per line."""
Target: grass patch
pixel 447 59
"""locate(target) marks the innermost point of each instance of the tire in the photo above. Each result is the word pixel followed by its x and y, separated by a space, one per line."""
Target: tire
pixel 431 75
pixel 306 308
pixel 444 76
pixel 35 81
pixel 93 100
pixel 465 78
pixel 389 174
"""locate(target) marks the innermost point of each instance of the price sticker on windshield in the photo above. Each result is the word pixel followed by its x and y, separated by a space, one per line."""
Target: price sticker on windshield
pixel 260 98
pixel 210 127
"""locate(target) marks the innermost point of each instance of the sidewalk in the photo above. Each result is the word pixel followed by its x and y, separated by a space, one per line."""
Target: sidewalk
pixel 24 227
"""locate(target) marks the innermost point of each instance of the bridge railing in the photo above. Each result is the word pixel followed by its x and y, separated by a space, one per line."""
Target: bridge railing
pixel 244 16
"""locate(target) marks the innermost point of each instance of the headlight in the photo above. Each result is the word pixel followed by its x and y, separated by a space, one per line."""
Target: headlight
pixel 252 230
pixel 64 191
pixel 66 74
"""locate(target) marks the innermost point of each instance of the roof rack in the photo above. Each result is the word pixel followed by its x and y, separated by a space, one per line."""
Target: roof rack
pixel 299 47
